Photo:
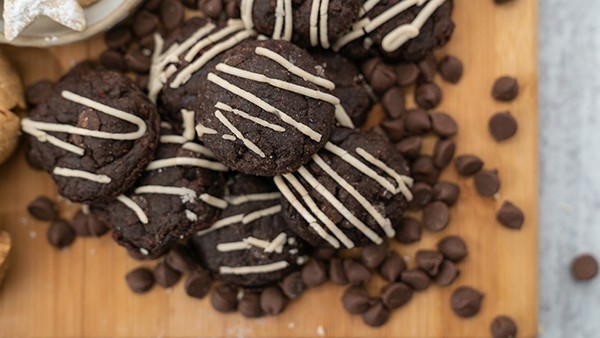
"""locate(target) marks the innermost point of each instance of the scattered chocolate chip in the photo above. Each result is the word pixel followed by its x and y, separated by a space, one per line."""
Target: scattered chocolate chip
pixel 410 146
pixel 213 8
pixel 392 267
pixel 416 279
pixel 324 253
pixel 429 261
pixel 147 42
pixel 153 5
pixel 140 280
pixel 272 301
pixel 144 23
pixel 443 152
pixel 466 301
pixel 357 273
pixel 249 305
pixel 356 300
pixel 137 61
pixel 510 216
pixel 451 69
pixel 428 68
pixel 395 295
pixel 118 37
pixel 373 255
pixel 171 13
pixel 502 126
pixel 446 192
pixel 197 283
pixel 165 275
pixel 447 274
pixel 408 231
pixel 376 315
pixel 436 216
pixel 43 208
pixel 337 274
pixel 382 78
pixel 406 74
pixel 368 68
pixel 468 165
pixel 394 129
pixel 487 182
pixel 60 234
pixel 503 326
pixel 88 224
pixel 428 95
pixel 393 102
pixel 422 195
pixel 417 122
pixel 453 248
pixel 314 273
pixel 584 267
pixel 292 285
pixel 224 298
pixel 180 259
pixel 505 89
pixel 39 92
pixel 424 170
pixel 232 9
pixel 443 124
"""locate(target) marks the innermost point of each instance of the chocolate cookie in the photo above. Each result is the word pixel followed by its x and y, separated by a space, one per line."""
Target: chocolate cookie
pixel 95 134
pixel 350 194
pixel 180 193
pixel 399 30
pixel 263 97
pixel 250 245
pixel 350 85
pixel 307 23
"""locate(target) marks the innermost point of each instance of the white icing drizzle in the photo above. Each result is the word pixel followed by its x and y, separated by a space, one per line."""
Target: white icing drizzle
pixel 166 125
pixel 323 28
pixel 259 121
pixel 314 18
pixel 233 246
pixel 187 195
pixel 198 148
pixel 229 137
pixel 246 13
pixel 186 161
pixel 241 199
pixel 188 124
pixel 144 251
pixel 279 18
pixel 201 130
pixel 259 243
pixel 284 20
pixel 301 260
pixel 293 251
pixel 45 137
pixel 174 139
pixel 277 243
pixel 245 270
pixel 66 172
pixel 213 201
pixel 404 182
pixel 249 144
pixel 233 26
pixel 253 216
pixel 128 202
pixel 190 215
pixel 241 218
pixel 291 241
pixel 289 21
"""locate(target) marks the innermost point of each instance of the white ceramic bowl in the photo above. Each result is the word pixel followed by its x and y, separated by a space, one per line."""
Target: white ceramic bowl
pixel 46 33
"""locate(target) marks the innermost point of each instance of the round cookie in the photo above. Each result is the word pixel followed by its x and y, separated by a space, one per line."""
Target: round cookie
pixel 95 134
pixel 351 193
pixel 399 30
pixel 180 192
pixel 250 245
pixel 263 97
pixel 307 23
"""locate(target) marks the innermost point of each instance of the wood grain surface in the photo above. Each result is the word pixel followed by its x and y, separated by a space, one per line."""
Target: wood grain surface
pixel 80 291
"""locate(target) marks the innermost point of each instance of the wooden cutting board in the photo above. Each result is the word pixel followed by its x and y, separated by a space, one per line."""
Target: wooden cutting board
pixel 81 291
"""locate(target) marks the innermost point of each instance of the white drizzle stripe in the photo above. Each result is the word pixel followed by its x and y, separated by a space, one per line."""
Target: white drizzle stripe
pixel 221 224
pixel 128 202
pixel 188 124
pixel 367 6
pixel 45 137
pixel 165 125
pixel 246 270
pixel 229 137
pixel 259 121
pixel 246 13
pixel 308 217
pixel 399 36
pixel 360 225
pixel 314 17
pixel 241 199
pixel 289 21
pixel 66 172
pixel 173 139
pixel 232 27
pixel 383 222
pixel 400 179
pixel 249 144
pixel 339 234
pixel 172 55
pixel 353 161
pixel 183 161
pixel 264 105
pixel 342 117
pixel 187 195
pixel 213 201
pixel 253 216
pixel 279 17
pixel 190 215
pixel 201 130
pixel 233 246
pixel 290 67
pixel 197 148
pixel 324 32
pixel 259 243
pixel 277 243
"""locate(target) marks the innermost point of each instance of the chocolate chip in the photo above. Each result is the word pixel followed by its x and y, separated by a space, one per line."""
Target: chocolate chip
pixel 505 89
pixel 410 146
pixel 356 300
pixel 249 305
pixel 510 216
pixel 502 126
pixel 224 298
pixel 443 152
pixel 39 92
pixel 408 231
pixel 88 224
pixel 60 234
pixel 395 295
pixel 428 68
pixel 436 216
pixel 118 37
pixel 392 267
pixel 197 283
pixel 148 42
pixel 416 279
pixel 292 285
pixel 584 267
pixel 446 192
pixel 212 8
pixel 393 102
pixel 428 95
pixel 373 255
pixel 417 122
pixel 424 170
pixel 487 182
pixel 376 315
pixel 451 69
pixel 394 129
pixel 144 23
pixel 443 124
pixel 165 275
pixel 453 248
pixel 337 274
pixel 368 68
pixel 422 195
pixel 325 253
pixel 466 301
pixel 357 273
pixel 406 74
pixel 137 61
pixel 429 261
pixel 180 259
pixel 140 280
pixel 503 326
pixel 468 165
pixel 273 301
pixel 113 59
pixel 447 274
pixel 43 208
pixel 382 78
pixel 314 273
pixel 153 5
pixel 171 13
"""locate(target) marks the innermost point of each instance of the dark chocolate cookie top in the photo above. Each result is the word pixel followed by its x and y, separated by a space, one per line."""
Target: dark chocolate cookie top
pixel 266 110
pixel 349 194
pixel 250 245
pixel 95 134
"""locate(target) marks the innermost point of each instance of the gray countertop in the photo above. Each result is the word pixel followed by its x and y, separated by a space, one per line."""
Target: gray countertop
pixel 570 164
